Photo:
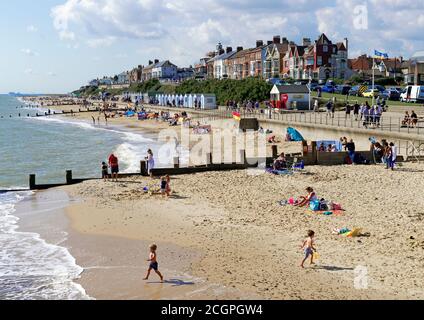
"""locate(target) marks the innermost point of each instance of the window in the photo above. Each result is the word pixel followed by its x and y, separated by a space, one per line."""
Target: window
pixel 325 48
pixel 319 60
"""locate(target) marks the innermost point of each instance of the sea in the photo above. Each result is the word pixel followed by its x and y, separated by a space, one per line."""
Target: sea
pixel 30 267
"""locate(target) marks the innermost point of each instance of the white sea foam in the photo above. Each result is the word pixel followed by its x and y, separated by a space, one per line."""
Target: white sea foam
pixel 30 268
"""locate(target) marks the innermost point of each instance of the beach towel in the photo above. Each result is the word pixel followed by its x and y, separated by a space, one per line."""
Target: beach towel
pixel 279 172
pixel 354 233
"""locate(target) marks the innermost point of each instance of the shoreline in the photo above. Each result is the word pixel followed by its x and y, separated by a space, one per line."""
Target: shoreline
pixel 228 235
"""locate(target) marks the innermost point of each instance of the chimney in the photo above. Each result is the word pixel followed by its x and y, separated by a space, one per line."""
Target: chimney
pixel 269 42
pixel 239 49
pixel 277 39
pixel 150 62
pixel 285 40
pixel 306 42
pixel 346 44
pixel 259 43
pixel 229 49
pixel 221 51
pixel 156 61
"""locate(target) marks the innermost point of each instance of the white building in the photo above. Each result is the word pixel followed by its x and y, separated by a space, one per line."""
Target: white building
pixel 123 78
pixel 164 70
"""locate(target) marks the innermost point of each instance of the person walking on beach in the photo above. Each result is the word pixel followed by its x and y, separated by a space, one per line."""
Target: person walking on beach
pixel 154 265
pixel 150 162
pixel 114 166
pixel 351 149
pixel 165 186
pixel 394 154
pixel 309 248
pixel 105 171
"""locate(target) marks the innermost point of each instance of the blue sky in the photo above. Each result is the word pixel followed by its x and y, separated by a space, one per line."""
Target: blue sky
pixel 55 46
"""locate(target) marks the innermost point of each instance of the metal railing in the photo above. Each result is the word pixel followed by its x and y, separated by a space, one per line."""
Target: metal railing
pixel 385 123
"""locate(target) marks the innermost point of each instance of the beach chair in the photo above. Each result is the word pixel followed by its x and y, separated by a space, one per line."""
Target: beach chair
pixel 295 164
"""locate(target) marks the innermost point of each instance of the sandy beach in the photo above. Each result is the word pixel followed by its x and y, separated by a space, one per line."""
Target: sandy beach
pixel 247 241
pixel 227 234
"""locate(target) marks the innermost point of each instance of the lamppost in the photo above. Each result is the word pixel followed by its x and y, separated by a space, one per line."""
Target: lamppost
pixel 309 87
pixel 381 68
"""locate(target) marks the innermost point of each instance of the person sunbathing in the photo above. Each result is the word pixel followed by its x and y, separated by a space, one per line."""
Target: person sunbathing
pixel 305 201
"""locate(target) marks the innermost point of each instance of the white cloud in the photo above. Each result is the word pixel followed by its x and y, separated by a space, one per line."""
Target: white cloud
pixel 32 29
pixel 28 71
pixel 51 74
pixel 29 52
pixel 184 30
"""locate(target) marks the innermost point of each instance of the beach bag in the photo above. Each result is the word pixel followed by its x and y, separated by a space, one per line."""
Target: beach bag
pixel 315 205
pixel 323 206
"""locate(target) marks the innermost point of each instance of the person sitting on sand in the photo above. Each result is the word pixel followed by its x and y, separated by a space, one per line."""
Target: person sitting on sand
pixel 272 139
pixel 280 163
pixel 154 265
pixel 305 201
pixel 308 248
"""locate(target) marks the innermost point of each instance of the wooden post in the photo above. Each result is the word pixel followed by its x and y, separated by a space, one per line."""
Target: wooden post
pixel 314 152
pixel 143 168
pixel 32 182
pixel 275 152
pixel 69 179
pixel 176 162
pixel 305 148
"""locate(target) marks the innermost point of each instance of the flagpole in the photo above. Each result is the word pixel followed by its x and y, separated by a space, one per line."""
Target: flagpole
pixel 373 80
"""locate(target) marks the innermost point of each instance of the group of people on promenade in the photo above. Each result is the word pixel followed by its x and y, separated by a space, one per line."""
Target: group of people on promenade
pixel 248 106
pixel 410 120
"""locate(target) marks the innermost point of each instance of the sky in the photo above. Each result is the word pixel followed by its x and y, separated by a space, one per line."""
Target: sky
pixel 56 46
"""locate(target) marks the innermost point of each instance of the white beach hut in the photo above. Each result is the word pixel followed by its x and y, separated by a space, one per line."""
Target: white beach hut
pixel 186 101
pixel 208 102
pixel 190 101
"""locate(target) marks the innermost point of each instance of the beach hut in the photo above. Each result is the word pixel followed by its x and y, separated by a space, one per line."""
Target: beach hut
pixel 186 101
pixel 208 102
pixel 190 101
pixel 288 96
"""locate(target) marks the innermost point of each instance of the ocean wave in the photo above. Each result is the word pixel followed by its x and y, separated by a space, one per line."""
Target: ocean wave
pixel 30 268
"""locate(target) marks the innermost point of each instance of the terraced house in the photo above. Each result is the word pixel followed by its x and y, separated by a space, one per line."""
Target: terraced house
pixel 273 64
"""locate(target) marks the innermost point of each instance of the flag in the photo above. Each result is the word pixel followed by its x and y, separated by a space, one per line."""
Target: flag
pixel 237 116
pixel 380 55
